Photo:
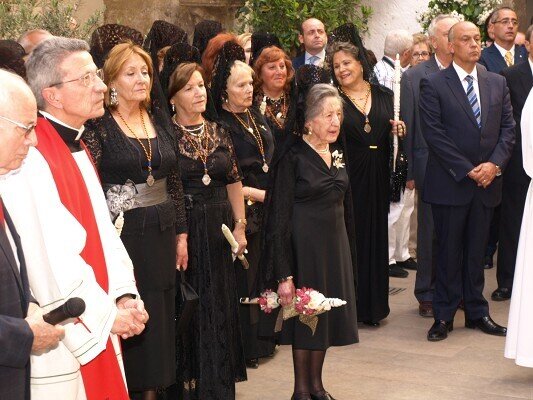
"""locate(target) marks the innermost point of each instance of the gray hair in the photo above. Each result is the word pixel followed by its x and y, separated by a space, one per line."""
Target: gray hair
pixel 314 102
pixel 42 66
pixel 529 32
pixel 440 17
pixel 496 13
pixel 397 41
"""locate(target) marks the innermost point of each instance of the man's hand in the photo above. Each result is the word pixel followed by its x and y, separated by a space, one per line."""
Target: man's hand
pixel 127 323
pixel 484 174
pixel 45 336
pixel 128 302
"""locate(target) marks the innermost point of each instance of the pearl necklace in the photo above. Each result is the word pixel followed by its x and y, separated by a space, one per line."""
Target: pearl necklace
pixel 319 151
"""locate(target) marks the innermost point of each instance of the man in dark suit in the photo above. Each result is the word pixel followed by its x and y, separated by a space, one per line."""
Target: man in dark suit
pixel 502 53
pixel 515 180
pixel 417 155
pixel 314 40
pixel 467 121
pixel 22 328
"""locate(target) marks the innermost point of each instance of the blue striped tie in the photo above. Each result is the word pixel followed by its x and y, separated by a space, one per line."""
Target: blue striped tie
pixel 472 99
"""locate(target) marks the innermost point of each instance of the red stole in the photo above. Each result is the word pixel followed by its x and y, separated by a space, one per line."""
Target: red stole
pixel 102 376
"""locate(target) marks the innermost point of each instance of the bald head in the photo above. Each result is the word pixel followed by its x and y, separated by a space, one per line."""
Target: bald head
pixel 31 39
pixel 465 45
pixel 18 112
pixel 460 26
pixel 313 36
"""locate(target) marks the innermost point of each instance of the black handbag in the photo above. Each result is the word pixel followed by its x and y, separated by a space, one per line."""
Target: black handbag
pixel 188 305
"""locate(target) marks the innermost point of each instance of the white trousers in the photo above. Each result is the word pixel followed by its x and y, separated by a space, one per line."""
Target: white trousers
pixel 399 221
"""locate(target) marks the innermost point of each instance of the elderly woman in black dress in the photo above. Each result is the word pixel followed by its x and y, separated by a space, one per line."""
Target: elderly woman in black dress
pixel 307 239
pixel 366 137
pixel 210 353
pixel 134 152
pixel 254 148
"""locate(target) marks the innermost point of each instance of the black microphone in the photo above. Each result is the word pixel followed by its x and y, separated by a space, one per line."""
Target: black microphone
pixel 72 308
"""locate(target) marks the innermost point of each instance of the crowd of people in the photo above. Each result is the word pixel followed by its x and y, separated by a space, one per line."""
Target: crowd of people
pixel 120 161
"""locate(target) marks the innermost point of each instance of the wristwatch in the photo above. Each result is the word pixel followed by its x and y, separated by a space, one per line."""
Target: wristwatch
pixel 498 170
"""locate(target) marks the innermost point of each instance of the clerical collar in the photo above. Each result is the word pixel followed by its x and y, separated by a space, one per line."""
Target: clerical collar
pixel 504 51
pixel 388 60
pixel 71 136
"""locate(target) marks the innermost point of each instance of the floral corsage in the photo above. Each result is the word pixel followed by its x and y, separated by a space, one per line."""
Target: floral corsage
pixel 338 159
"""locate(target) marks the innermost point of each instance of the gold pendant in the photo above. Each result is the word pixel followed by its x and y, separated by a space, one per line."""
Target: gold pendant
pixel 249 202
pixel 150 180
pixel 367 128
pixel 265 168
pixel 206 179
pixel 250 129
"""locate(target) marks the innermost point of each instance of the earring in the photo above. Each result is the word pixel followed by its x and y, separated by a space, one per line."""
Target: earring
pixel 113 97
pixel 173 107
pixel 309 131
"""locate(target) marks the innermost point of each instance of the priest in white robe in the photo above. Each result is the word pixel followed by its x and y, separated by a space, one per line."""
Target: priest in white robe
pixel 72 247
pixel 519 341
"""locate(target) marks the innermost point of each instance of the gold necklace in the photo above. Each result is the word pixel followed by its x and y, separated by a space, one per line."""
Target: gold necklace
pixel 150 180
pixel 202 152
pixel 279 118
pixel 255 134
pixel 362 109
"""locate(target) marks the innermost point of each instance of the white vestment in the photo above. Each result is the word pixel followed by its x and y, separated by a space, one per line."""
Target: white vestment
pixel 519 341
pixel 52 240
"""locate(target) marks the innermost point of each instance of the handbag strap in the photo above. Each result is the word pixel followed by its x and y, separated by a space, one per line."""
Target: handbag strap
pixel 182 275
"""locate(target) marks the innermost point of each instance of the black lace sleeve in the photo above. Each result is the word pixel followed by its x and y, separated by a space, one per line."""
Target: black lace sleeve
pixel 234 174
pixel 175 190
pixel 93 140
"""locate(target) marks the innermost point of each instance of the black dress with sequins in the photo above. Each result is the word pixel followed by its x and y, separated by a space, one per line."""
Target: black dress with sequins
pixel 210 354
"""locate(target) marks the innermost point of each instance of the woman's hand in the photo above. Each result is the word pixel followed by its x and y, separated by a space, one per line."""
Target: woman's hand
pixel 253 194
pixel 398 128
pixel 286 292
pixel 240 237
pixel 182 256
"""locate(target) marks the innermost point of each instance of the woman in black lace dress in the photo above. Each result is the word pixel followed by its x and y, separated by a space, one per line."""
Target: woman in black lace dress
pixel 254 147
pixel 210 353
pixel 136 161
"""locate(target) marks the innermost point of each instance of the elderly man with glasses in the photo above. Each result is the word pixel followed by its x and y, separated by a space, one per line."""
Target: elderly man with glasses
pixel 76 253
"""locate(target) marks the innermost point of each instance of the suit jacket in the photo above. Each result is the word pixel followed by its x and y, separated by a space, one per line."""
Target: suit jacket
pixel 493 60
pixel 519 81
pixel 16 337
pixel 298 61
pixel 456 144
pixel 416 147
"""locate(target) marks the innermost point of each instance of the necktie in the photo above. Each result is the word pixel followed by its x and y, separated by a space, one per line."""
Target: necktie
pixel 472 99
pixel 509 59
pixel 313 60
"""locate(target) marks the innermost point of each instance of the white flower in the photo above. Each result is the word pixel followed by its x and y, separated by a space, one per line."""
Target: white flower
pixel 337 159
pixel 272 300
pixel 317 299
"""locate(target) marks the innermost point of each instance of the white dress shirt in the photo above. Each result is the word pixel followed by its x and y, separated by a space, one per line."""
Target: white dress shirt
pixel 321 56
pixel 462 75
pixel 530 64
pixel 503 51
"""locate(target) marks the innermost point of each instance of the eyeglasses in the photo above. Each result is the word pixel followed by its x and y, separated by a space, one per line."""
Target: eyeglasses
pixel 27 129
pixel 87 80
pixel 507 21
pixel 421 54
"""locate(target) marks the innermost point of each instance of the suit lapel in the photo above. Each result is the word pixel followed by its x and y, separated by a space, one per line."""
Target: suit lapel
pixel 6 248
pixel 452 79
pixel 484 93
pixel 526 76
pixel 431 66
pixel 498 57
pixel 519 54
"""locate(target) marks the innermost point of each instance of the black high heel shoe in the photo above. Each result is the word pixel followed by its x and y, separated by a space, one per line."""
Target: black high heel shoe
pixel 322 396
pixel 301 396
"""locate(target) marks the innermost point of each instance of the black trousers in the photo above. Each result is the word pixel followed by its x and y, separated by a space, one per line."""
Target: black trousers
pixel 512 208
pixel 462 234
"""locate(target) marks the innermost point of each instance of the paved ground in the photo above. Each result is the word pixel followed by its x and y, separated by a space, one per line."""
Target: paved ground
pixel 395 361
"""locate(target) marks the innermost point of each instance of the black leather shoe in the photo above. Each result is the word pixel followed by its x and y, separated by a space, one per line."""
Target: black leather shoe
pixel 425 309
pixel 252 363
pixel 372 324
pixel 322 396
pixel 439 330
pixel 501 294
pixel 397 272
pixel 486 325
pixel 410 263
pixel 487 262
